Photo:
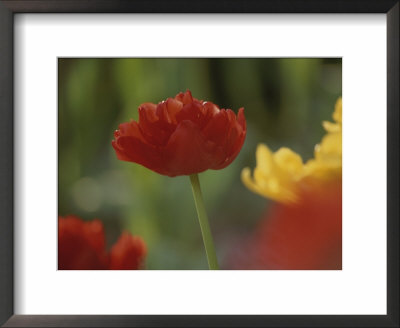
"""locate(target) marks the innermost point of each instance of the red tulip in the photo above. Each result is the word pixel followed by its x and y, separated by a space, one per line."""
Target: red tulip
pixel 299 236
pixel 304 236
pixel 127 253
pixel 181 136
pixel 81 246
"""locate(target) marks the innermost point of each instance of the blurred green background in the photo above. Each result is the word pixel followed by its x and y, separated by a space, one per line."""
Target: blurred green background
pixel 285 101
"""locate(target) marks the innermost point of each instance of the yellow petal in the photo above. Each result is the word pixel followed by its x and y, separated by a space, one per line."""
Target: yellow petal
pixel 282 175
pixel 289 161
pixel 337 114
pixel 275 174
pixel 331 146
pixel 331 127
pixel 322 170
pixel 264 159
pixel 249 182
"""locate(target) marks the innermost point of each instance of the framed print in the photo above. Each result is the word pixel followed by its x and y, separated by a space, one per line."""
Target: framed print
pixel 144 143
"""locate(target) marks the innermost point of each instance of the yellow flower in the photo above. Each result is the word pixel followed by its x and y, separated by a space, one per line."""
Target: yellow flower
pixel 282 175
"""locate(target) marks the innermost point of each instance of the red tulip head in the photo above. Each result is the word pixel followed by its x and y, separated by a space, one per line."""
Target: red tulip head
pixel 181 136
pixel 306 235
pixel 127 253
pixel 82 246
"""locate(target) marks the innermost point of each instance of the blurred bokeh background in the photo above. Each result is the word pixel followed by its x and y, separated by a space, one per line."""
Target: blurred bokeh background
pixel 285 101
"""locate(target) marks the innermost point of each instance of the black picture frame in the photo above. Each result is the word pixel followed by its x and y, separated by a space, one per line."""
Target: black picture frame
pixel 11 7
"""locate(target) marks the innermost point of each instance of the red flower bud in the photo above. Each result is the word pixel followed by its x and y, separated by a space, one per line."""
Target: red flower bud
pixel 81 246
pixel 127 253
pixel 181 136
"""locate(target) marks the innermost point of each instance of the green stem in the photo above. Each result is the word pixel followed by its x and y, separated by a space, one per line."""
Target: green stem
pixel 205 227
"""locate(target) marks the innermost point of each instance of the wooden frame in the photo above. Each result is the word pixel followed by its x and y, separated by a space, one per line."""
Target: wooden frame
pixel 7 11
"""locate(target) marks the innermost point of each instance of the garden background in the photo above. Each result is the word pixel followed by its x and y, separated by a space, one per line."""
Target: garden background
pixel 285 102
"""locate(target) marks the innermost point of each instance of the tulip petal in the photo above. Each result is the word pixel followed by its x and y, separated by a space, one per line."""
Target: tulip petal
pixel 337 114
pixel 192 112
pixel 224 130
pixel 134 150
pixel 241 119
pixel 185 97
pixel 217 128
pixel 234 138
pixel 173 108
pixel 187 151
pixel 153 124
pixel 210 108
pixel 232 152
pixel 130 129
pixel 127 253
